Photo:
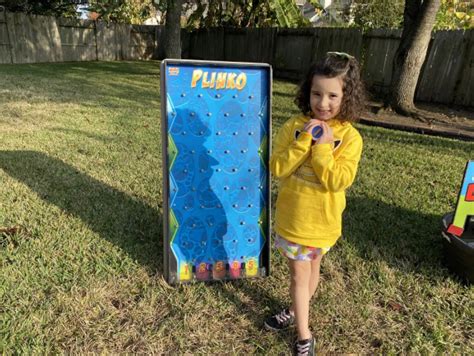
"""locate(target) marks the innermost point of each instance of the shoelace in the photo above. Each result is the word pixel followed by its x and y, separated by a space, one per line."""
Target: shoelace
pixel 303 349
pixel 283 317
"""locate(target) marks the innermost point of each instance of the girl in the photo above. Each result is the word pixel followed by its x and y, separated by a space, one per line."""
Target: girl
pixel 314 174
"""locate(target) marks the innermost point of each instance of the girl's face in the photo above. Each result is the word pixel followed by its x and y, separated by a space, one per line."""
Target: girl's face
pixel 326 97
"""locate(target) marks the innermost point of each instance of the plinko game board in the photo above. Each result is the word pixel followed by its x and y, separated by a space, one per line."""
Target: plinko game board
pixel 465 204
pixel 458 230
pixel 216 143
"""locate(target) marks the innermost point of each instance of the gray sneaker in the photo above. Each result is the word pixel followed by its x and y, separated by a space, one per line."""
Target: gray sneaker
pixel 280 321
pixel 304 347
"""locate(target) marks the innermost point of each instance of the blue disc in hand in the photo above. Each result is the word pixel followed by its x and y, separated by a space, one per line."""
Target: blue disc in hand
pixel 317 132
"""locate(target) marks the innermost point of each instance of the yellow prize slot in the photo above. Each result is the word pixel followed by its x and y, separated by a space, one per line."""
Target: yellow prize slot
pixel 251 267
pixel 185 272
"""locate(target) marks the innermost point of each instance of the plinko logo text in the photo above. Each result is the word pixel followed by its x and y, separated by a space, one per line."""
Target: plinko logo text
pixel 218 80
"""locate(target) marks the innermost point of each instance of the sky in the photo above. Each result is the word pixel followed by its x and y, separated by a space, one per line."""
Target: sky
pixel 82 10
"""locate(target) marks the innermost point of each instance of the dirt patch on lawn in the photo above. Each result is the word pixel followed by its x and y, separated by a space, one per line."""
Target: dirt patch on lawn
pixel 444 121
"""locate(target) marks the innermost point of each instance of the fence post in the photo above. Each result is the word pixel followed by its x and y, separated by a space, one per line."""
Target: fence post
pixel 5 41
pixel 96 42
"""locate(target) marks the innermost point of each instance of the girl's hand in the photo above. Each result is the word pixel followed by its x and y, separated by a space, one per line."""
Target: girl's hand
pixel 327 136
pixel 308 127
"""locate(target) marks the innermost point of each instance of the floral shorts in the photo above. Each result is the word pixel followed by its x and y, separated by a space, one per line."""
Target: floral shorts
pixel 298 252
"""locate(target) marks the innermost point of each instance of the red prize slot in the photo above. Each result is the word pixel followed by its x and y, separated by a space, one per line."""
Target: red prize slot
pixel 470 192
pixel 219 271
pixel 235 270
pixel 202 272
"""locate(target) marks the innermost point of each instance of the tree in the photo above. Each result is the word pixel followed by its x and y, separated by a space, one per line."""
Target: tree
pixel 172 37
pixel 418 21
pixel 378 13
pixel 452 14
pixel 455 15
pixel 288 14
pixel 245 13
pixel 57 8
pixel 126 11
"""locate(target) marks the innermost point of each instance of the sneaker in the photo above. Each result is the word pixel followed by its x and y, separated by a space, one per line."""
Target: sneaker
pixel 304 347
pixel 280 321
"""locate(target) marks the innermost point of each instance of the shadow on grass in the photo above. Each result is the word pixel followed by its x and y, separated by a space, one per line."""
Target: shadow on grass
pixel 126 222
pixel 282 94
pixel 435 144
pixel 258 304
pixel 406 240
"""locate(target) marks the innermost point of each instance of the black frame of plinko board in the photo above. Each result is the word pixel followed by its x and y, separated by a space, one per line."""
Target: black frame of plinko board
pixel 170 267
pixel 459 250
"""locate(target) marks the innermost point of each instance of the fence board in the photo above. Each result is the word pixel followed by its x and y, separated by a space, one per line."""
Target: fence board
pixel 107 46
pixel 297 49
pixel 443 64
pixel 207 44
pixel 293 53
pixel 17 45
pixel 250 45
pixel 78 43
pixel 235 46
pixel 76 23
pixel 33 38
pixel 185 44
pixel 143 40
pixel 337 39
pixel 4 35
pixel 5 52
pixel 129 46
pixel 378 60
pixel 464 90
pixel 128 42
pixel 157 51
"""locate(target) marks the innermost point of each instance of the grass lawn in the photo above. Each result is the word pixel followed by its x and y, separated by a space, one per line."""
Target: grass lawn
pixel 81 252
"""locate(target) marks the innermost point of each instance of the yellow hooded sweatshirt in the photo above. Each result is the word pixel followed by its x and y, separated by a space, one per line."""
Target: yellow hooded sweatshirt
pixel 314 178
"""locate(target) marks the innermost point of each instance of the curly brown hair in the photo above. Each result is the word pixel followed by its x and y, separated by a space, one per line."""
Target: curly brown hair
pixel 333 65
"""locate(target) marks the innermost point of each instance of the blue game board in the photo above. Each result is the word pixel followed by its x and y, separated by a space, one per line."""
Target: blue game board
pixel 216 135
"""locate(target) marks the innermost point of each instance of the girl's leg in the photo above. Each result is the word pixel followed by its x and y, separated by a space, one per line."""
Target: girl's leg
pixel 314 280
pixel 299 290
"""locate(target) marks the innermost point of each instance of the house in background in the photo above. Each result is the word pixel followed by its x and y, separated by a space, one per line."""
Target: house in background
pixel 330 12
pixel 157 19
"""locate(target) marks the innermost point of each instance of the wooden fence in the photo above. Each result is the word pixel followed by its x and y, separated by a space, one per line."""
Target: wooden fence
pixel 446 77
pixel 290 51
pixel 33 39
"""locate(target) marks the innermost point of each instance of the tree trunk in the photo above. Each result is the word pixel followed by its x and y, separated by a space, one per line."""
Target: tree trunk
pixel 419 18
pixel 172 38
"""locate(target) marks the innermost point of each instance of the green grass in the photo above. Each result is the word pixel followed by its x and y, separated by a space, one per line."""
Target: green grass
pixel 80 178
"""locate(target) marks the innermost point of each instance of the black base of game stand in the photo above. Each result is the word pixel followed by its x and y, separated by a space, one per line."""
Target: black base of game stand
pixel 459 251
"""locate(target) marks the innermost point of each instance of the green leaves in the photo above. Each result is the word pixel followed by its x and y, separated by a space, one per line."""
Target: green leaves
pixel 370 14
pixel 241 13
pixel 59 8
pixel 455 15
pixel 288 14
pixel 128 11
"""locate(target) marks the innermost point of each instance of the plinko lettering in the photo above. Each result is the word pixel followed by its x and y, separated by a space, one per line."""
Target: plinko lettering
pixel 218 80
